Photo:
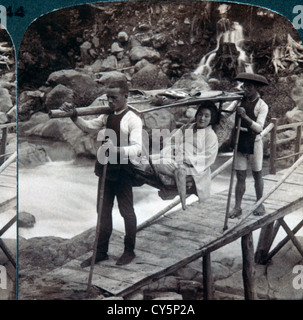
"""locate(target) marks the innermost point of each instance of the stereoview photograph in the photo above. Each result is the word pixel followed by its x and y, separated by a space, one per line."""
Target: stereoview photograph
pixel 160 153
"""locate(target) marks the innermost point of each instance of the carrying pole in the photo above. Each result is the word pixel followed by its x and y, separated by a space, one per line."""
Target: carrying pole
pixel 98 227
pixel 232 174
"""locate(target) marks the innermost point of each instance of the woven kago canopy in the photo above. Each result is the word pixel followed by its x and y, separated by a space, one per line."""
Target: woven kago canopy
pixel 252 77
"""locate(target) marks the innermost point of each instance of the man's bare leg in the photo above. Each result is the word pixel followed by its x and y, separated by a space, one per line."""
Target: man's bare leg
pixel 259 187
pixel 240 190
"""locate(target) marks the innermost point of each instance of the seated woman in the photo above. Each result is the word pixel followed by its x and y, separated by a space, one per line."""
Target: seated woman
pixel 188 154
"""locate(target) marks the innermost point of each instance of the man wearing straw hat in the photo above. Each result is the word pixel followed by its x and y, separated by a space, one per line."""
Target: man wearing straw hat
pixel 253 111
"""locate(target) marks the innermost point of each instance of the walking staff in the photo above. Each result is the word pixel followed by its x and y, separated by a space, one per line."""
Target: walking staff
pixel 232 174
pixel 97 228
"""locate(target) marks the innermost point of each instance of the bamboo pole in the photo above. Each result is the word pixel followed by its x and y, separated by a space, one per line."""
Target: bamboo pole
pixel 8 225
pixel 298 142
pixel 3 144
pixel 282 180
pixel 83 111
pixel 8 125
pixel 232 174
pixel 290 125
pixel 194 101
pixel 97 110
pixel 97 228
pixel 267 130
pixel 273 146
pixel 9 161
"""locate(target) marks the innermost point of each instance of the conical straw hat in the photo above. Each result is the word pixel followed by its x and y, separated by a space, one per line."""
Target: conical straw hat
pixel 251 77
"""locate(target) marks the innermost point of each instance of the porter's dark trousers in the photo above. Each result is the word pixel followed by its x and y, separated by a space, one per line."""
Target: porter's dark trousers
pixel 122 190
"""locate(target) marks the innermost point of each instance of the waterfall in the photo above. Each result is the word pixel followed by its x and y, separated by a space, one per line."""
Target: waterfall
pixel 230 34
pixel 204 67
pixel 236 36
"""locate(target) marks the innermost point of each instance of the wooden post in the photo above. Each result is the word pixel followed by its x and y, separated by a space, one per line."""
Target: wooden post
pixel 273 146
pixel 8 161
pixel 283 242
pixel 264 243
pixel 208 286
pixel 3 145
pixel 291 236
pixel 8 225
pixel 298 142
pixel 266 239
pixel 248 266
pixel 7 252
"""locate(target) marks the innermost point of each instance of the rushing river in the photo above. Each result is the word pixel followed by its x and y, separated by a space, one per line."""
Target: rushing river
pixel 62 197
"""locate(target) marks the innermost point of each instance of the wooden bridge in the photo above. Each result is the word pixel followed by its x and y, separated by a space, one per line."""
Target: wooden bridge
pixel 171 241
pixel 8 187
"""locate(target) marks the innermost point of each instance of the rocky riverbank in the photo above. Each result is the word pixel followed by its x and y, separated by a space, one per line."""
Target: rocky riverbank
pixel 163 45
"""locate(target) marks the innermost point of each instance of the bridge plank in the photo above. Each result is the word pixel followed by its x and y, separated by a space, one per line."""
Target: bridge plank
pixel 181 237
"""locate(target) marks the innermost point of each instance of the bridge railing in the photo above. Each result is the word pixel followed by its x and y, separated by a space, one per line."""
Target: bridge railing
pixel 275 142
pixel 4 129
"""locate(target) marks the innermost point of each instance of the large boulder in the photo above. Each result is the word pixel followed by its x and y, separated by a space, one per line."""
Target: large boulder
pixel 192 82
pixel 150 77
pixel 115 48
pixel 139 52
pixel 106 76
pixel 31 155
pixel 62 130
pixel 84 87
pixel 110 63
pixel 294 115
pixel 5 100
pixel 29 102
pixel 57 96
pixel 26 220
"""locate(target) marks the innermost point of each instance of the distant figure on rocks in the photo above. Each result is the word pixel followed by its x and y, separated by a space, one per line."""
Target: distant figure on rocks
pixel 253 112
pixel 122 122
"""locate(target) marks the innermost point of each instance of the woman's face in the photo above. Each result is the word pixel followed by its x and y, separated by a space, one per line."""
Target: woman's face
pixel 203 118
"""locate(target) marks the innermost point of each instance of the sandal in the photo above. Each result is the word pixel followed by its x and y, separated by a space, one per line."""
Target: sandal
pixel 260 211
pixel 235 213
